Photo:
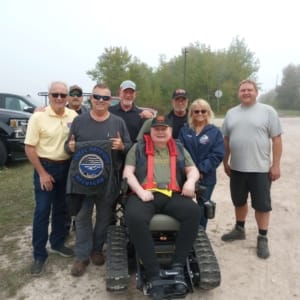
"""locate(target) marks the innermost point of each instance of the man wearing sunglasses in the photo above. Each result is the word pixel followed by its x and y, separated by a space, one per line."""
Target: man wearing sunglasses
pixel 44 145
pixel 89 130
pixel 75 99
pixel 133 116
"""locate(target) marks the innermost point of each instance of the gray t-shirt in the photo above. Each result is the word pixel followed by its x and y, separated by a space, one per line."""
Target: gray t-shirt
pixel 250 130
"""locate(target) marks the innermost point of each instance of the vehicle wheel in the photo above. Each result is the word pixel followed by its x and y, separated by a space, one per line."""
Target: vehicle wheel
pixel 3 154
pixel 209 271
pixel 116 260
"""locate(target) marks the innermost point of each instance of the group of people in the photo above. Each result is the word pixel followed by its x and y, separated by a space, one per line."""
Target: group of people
pixel 162 158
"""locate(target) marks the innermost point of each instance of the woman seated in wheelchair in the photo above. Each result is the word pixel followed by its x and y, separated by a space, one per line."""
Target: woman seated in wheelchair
pixel 162 178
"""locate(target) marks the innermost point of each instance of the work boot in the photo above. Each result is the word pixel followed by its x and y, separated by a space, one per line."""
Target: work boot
pixel 262 247
pixel 97 258
pixel 79 267
pixel 180 288
pixel 38 267
pixel 237 233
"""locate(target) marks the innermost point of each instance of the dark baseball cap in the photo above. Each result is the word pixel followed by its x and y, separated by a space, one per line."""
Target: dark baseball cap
pixel 75 87
pixel 160 121
pixel 179 93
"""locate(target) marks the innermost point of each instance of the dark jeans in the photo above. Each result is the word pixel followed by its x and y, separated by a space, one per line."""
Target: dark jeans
pixel 53 202
pixel 138 215
pixel 206 196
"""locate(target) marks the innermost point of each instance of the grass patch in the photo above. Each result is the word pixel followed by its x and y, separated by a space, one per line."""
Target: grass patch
pixel 17 204
pixel 17 199
pixel 288 113
pixel 12 280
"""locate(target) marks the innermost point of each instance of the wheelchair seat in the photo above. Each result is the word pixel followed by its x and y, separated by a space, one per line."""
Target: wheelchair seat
pixel 161 222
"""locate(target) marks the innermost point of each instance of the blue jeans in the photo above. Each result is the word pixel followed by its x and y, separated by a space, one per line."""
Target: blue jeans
pixel 53 202
pixel 88 237
pixel 206 196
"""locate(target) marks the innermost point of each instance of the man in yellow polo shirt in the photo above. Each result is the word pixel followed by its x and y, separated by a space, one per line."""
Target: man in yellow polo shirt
pixel 44 145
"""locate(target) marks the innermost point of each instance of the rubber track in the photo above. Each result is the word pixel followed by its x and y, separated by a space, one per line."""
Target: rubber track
pixel 210 276
pixel 116 263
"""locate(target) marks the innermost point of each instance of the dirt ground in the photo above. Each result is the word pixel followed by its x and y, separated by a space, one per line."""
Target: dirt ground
pixel 244 275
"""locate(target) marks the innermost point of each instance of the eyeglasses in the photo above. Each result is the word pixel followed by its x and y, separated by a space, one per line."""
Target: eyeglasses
pixel 98 97
pixel 202 111
pixel 75 94
pixel 56 95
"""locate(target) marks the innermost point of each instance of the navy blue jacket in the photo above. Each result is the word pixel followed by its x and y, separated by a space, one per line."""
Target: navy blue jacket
pixel 206 149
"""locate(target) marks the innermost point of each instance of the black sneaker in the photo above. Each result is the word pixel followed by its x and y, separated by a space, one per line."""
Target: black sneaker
pixel 37 267
pixel 63 251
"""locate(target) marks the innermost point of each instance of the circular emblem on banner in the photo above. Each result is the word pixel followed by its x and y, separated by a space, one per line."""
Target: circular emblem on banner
pixel 91 166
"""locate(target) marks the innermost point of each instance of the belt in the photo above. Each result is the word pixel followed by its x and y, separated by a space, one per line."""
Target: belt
pixel 54 161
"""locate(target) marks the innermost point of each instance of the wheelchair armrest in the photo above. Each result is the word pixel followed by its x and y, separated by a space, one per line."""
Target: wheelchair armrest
pixel 200 190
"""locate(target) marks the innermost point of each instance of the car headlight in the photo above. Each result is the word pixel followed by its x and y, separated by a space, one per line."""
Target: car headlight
pixel 19 126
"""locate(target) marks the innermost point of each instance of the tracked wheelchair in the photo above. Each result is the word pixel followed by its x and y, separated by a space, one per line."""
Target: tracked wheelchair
pixel 201 269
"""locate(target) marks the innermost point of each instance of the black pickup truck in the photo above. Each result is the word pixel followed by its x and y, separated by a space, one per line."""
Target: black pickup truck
pixel 15 112
pixel 13 125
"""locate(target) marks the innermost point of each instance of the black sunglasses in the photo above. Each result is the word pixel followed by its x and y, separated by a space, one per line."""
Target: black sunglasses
pixel 75 94
pixel 98 97
pixel 56 95
pixel 202 111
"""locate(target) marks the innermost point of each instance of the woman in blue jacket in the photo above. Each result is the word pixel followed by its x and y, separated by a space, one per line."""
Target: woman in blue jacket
pixel 204 141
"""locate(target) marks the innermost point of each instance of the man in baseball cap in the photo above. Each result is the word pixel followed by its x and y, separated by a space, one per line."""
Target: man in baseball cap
pixel 177 116
pixel 75 99
pixel 133 116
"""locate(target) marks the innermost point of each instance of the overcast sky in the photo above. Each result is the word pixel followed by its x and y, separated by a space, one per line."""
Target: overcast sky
pixel 42 41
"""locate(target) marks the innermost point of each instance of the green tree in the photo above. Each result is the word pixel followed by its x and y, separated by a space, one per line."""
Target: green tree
pixel 240 63
pixel 288 93
pixel 206 71
pixel 269 98
pixel 112 67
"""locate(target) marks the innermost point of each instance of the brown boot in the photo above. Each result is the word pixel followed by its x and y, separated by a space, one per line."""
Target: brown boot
pixel 97 258
pixel 79 267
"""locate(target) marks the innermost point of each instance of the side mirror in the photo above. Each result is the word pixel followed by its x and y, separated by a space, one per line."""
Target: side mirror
pixel 28 109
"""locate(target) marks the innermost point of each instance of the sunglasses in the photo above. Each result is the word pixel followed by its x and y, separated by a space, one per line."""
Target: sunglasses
pixel 75 94
pixel 202 111
pixel 98 97
pixel 56 95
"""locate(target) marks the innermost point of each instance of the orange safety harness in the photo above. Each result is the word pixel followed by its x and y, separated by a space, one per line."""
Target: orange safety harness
pixel 149 149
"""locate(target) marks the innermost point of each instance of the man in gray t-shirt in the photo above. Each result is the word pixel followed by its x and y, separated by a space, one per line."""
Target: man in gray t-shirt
pixel 252 137
pixel 92 128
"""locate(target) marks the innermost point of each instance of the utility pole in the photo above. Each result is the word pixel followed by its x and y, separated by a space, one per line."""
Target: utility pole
pixel 185 51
